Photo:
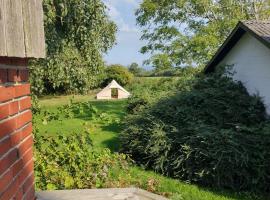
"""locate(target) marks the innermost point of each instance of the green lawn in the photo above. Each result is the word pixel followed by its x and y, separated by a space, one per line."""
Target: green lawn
pixel 104 133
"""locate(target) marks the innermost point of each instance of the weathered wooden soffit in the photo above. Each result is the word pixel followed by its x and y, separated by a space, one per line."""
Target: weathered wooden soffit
pixel 21 29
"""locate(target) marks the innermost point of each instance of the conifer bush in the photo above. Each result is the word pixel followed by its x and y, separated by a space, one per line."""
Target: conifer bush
pixel 208 130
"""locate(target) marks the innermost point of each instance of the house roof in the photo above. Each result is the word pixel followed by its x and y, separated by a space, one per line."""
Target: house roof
pixel 258 29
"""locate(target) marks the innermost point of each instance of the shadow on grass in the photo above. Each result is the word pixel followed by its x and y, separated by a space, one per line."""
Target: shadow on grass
pixel 112 143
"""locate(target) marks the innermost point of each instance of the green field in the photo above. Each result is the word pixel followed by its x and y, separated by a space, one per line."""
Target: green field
pixel 104 132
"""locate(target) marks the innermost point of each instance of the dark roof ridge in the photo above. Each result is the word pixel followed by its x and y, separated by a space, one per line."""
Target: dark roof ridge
pixel 259 29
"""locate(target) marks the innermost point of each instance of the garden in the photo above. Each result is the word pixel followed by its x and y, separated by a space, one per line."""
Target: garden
pixel 182 134
pixel 84 143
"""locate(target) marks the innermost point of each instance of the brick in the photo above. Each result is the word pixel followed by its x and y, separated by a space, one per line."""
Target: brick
pixel 28 155
pixel 3 75
pixel 17 167
pixel 8 127
pixel 10 191
pixel 24 118
pixel 19 195
pixel 27 170
pixel 5 60
pixel 6 93
pixel 19 61
pixel 5 180
pixel 8 160
pixel 23 75
pixel 4 111
pixel 9 109
pixel 12 75
pixel 28 183
pixel 30 195
pixel 22 90
pixel 5 146
pixel 27 131
pixel 13 108
pixel 25 103
pixel 25 146
pixel 15 138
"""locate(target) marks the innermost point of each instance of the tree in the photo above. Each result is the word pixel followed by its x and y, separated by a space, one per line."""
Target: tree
pixel 78 33
pixel 118 73
pixel 190 31
pixel 135 69
pixel 160 62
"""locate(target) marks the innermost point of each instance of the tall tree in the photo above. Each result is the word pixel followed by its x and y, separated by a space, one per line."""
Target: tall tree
pixel 160 62
pixel 135 69
pixel 190 31
pixel 78 33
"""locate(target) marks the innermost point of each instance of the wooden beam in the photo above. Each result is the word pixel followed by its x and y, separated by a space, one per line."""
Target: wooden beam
pixel 3 50
pixel 28 27
pixel 39 27
pixel 14 29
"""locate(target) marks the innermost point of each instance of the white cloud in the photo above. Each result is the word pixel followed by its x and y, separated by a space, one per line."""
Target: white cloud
pixel 126 28
pixel 115 15
pixel 112 11
pixel 134 3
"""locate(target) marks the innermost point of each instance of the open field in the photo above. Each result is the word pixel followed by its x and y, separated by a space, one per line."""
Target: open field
pixel 104 131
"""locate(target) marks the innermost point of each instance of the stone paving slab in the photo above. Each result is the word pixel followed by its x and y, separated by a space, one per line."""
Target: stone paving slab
pixel 99 194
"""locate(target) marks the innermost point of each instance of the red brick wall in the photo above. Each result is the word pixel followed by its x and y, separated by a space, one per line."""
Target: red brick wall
pixel 16 154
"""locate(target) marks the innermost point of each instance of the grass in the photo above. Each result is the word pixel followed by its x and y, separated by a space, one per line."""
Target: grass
pixel 105 135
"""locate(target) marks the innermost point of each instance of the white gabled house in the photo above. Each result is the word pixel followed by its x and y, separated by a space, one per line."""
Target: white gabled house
pixel 247 49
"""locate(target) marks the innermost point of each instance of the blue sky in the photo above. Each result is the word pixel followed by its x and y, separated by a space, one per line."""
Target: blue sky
pixel 128 44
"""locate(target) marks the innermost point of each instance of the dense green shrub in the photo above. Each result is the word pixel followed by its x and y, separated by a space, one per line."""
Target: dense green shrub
pixel 65 72
pixel 118 73
pixel 210 132
pixel 70 162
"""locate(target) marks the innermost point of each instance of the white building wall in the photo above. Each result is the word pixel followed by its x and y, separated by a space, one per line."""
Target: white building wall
pixel 251 60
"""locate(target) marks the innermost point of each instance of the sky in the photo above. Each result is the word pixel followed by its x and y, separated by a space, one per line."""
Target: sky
pixel 126 51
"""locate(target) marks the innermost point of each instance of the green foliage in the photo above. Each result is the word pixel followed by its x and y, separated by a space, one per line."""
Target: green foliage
pixel 174 71
pixel 207 130
pixel 190 31
pixel 135 69
pixel 103 135
pixel 71 162
pixel 63 162
pixel 160 62
pixel 77 35
pixel 118 73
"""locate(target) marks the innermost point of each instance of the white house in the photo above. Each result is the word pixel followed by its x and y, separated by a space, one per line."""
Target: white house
pixel 247 49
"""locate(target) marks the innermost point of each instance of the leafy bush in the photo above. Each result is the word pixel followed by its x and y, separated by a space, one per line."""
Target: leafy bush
pixel 118 73
pixel 63 73
pixel 210 132
pixel 69 162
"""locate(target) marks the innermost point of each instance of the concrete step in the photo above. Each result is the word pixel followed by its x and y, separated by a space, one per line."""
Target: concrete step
pixel 99 194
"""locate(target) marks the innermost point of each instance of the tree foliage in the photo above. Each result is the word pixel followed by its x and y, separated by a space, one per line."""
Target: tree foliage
pixel 135 69
pixel 160 62
pixel 118 73
pixel 78 32
pixel 190 31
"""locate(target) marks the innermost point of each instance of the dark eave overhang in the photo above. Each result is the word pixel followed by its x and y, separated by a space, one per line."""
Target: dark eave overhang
pixel 229 43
